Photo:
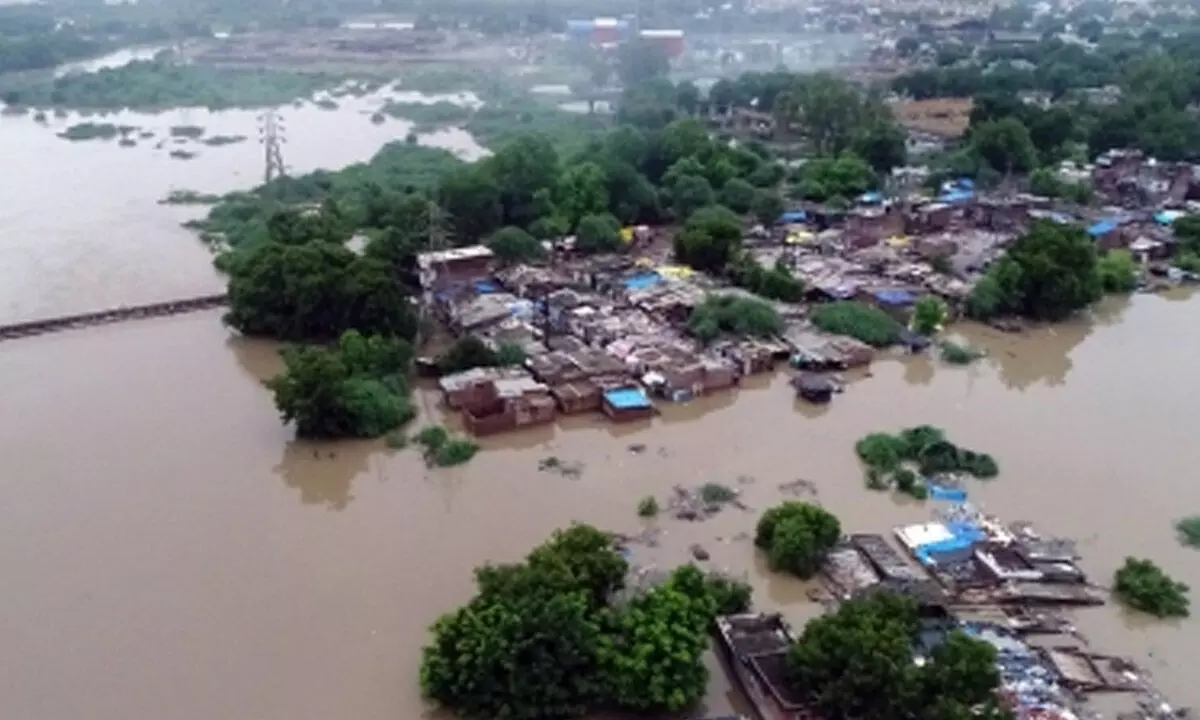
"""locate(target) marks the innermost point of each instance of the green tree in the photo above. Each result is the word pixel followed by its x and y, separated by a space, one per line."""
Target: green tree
pixel 1144 586
pixel 688 194
pixel 687 97
pixel 314 291
pixel 929 314
pixel 1049 273
pixel 1005 145
pixel 582 190
pixel 738 195
pixel 473 200
pixel 598 234
pixel 845 176
pixel 1118 271
pixel 654 663
pixel 737 315
pixel 512 244
pixel 796 537
pixel 882 144
pixel 858 662
pixel 469 667
pixel 708 239
pixel 768 207
pixel 356 389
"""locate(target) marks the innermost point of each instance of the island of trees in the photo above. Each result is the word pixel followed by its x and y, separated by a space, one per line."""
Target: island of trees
pixel 588 643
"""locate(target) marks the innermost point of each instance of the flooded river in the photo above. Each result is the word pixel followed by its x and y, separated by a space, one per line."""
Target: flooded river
pixel 80 227
pixel 170 552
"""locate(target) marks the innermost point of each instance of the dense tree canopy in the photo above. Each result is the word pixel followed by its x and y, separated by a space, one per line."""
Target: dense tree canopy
pixel 796 536
pixel 858 663
pixel 545 639
pixel 302 286
pixel 357 388
pixel 1048 274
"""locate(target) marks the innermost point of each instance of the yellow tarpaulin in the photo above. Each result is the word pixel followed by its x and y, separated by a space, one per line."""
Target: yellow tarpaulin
pixel 898 241
pixel 675 272
pixel 627 235
pixel 799 237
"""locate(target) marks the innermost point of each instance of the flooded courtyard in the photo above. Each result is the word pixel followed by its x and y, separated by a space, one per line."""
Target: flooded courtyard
pixel 170 550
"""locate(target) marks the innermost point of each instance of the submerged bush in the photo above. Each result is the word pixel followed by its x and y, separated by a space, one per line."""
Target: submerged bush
pixel 1144 586
pixel 888 459
pixel 957 354
pixel 857 320
pixel 1189 531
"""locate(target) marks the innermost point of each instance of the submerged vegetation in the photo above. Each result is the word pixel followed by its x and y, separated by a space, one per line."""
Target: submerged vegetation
pixel 1189 531
pixel 442 449
pixel 357 388
pixel 579 650
pixel 796 536
pixel 160 84
pixel 959 354
pixel 95 131
pixel 1142 585
pixel 890 459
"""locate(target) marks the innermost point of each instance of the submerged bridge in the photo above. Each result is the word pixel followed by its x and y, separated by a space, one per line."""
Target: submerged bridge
pixel 45 326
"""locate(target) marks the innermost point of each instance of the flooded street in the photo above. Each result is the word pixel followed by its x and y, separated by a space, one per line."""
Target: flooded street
pixel 170 551
pixel 80 227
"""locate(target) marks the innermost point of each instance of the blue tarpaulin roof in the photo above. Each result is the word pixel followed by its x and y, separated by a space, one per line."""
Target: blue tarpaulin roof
pixel 1166 217
pixel 897 298
pixel 641 281
pixel 484 287
pixel 793 216
pixel 871 198
pixel 953 197
pixel 1103 228
pixel 630 399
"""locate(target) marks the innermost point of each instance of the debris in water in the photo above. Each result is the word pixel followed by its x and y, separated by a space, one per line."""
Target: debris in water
pixel 566 469
pixel 699 552
pixel 746 479
pixel 637 448
pixel 703 502
pixel 799 488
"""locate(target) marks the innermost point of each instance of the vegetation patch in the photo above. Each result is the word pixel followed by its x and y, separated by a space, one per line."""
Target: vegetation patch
pixel 160 84
pixel 959 354
pixel 731 314
pixel 890 459
pixel 220 140
pixel 647 507
pixel 443 449
pixel 94 131
pixel 1189 531
pixel 428 116
pixel 860 321
pixel 857 662
pixel 191 132
pixel 581 650
pixel 796 536
pixel 1142 585
pixel 189 197
pixel 356 388
pixel 471 352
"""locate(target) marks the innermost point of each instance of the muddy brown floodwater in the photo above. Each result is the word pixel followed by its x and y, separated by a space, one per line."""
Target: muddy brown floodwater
pixel 170 552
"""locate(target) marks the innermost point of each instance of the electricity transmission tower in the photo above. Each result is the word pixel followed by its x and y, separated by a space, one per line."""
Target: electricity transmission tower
pixel 270 134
